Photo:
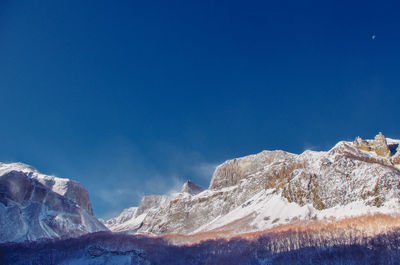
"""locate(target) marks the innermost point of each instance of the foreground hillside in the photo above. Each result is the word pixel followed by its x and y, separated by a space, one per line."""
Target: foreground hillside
pixel 327 243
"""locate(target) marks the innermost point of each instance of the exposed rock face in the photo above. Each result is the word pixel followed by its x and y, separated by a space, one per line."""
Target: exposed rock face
pixel 191 188
pixel 232 171
pixel 33 206
pixel 275 187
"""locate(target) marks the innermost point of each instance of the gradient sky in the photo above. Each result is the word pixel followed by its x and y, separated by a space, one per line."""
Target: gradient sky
pixel 135 97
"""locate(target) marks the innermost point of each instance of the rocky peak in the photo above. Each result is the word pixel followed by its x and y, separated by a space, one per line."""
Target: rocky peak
pixel 191 188
pixel 378 145
pixel 381 147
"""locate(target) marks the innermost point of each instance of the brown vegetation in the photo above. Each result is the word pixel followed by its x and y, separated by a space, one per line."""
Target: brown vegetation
pixel 369 225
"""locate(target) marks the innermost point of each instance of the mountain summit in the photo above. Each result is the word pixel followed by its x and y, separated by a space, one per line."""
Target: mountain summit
pixel 191 188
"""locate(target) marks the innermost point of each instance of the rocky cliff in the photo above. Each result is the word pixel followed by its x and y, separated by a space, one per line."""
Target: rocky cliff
pixel 35 206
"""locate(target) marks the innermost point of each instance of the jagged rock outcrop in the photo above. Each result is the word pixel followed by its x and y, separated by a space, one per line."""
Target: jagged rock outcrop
pixel 191 188
pixel 34 206
pixel 275 187
pixel 380 146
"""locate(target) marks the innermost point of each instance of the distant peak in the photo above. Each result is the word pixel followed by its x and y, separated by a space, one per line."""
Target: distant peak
pixel 191 188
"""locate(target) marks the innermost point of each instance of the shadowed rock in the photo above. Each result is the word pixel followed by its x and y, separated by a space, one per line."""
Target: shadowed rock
pixel 34 206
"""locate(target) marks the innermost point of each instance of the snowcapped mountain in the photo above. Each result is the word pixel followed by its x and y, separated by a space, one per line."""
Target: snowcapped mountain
pixel 35 206
pixel 335 207
pixel 275 188
pixel 253 193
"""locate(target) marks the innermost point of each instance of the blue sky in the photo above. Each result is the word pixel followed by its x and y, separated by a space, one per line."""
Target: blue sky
pixel 135 97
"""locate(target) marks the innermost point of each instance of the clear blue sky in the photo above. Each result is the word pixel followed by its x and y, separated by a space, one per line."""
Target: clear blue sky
pixel 135 97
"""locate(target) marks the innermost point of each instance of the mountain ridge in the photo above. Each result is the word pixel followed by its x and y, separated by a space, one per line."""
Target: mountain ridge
pixel 247 194
pixel 274 188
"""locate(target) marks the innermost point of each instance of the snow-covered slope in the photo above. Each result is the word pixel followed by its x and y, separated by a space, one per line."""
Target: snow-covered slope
pixel 34 206
pixel 272 188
